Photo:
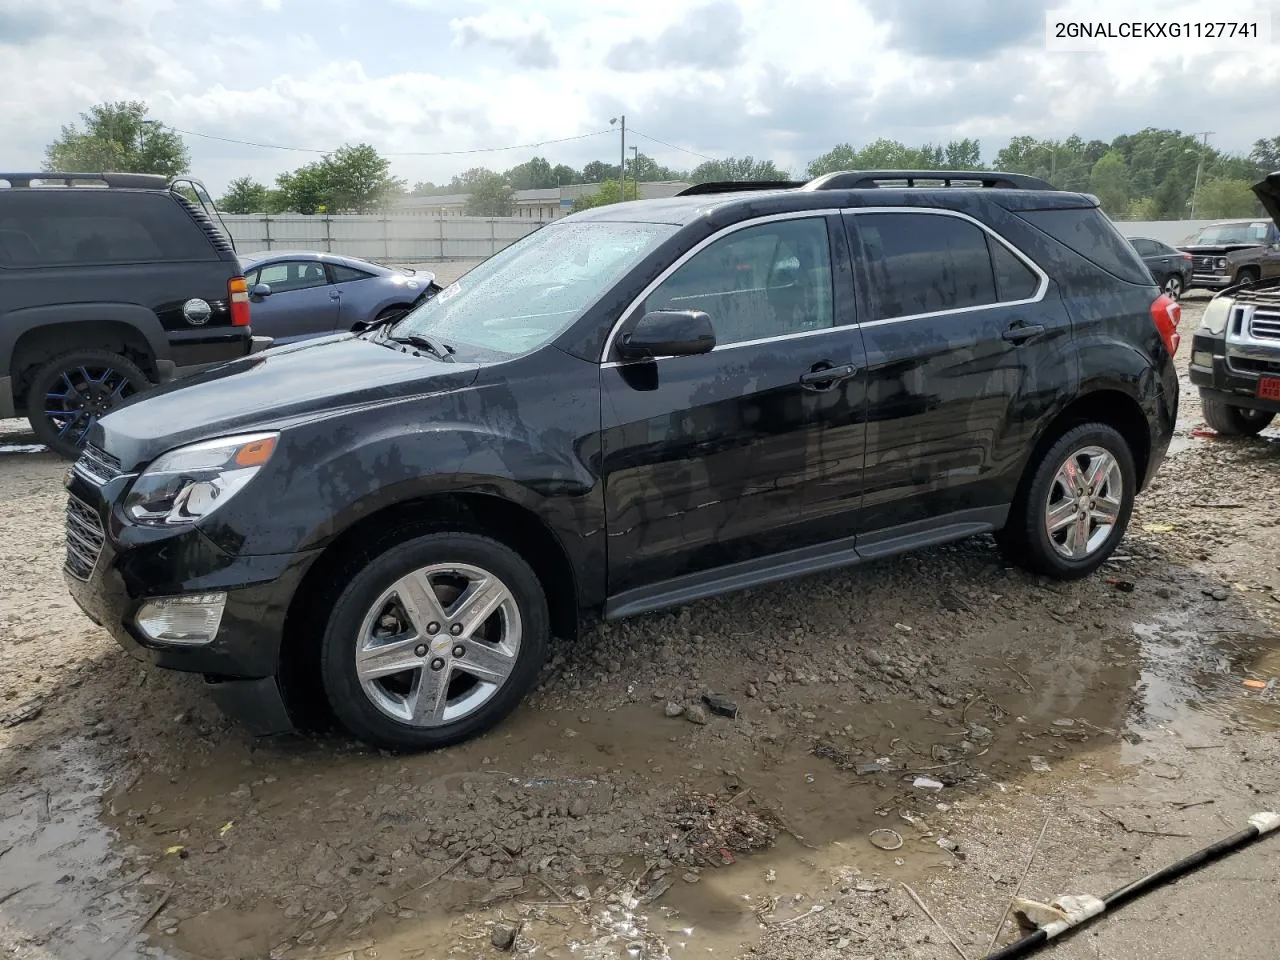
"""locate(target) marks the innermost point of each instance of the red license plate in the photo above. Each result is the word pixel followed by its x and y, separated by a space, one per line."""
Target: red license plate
pixel 1269 388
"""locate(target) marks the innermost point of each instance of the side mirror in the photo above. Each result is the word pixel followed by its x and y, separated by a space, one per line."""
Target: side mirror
pixel 260 290
pixel 668 333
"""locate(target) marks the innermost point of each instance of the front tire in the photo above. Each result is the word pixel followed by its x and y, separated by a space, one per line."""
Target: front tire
pixel 1074 511
pixel 1248 275
pixel 1232 421
pixel 433 640
pixel 70 393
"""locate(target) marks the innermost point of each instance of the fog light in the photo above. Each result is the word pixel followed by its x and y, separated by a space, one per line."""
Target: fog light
pixel 192 619
pixel 1201 358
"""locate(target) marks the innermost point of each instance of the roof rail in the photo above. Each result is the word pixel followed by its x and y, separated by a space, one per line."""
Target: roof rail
pixel 134 181
pixel 733 186
pixel 870 179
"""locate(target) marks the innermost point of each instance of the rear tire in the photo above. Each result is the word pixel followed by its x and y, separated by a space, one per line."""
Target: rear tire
pixel 1074 511
pixel 1173 286
pixel 1232 421
pixel 406 669
pixel 71 392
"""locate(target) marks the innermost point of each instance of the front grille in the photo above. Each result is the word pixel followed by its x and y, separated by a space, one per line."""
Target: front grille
pixel 1265 325
pixel 84 539
pixel 97 465
pixel 1268 368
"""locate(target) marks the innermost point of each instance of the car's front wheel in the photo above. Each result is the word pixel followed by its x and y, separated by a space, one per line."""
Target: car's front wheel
pixel 1073 513
pixel 434 640
pixel 1235 421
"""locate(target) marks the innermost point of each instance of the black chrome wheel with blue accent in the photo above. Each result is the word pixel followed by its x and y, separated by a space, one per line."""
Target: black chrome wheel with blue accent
pixel 70 393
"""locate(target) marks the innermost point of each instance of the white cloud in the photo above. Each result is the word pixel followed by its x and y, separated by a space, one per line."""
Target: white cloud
pixel 784 81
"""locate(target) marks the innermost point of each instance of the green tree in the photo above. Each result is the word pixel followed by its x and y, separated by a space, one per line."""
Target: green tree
pixel 244 195
pixel 964 154
pixel 737 168
pixel 535 174
pixel 597 171
pixel 1266 155
pixel 608 193
pixel 565 175
pixel 490 196
pixel 118 137
pixel 358 179
pixel 471 176
pixel 885 154
pixel 305 190
pixel 1143 208
pixel 1109 181
pixel 1172 197
pixel 1221 198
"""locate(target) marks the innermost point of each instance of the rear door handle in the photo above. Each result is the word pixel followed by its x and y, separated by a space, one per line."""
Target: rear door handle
pixel 824 378
pixel 334 295
pixel 1023 331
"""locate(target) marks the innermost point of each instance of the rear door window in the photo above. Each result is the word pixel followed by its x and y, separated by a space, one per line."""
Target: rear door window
pixel 925 263
pixel 52 226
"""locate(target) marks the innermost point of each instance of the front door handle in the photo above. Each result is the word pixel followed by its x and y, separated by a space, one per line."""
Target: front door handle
pixel 1022 332
pixel 334 295
pixel 824 377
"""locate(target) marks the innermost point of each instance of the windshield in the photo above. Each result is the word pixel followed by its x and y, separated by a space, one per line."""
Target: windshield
pixel 526 295
pixel 1232 233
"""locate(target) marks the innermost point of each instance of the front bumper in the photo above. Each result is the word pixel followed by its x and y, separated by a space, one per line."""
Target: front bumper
pixel 135 564
pixel 1223 379
pixel 1210 281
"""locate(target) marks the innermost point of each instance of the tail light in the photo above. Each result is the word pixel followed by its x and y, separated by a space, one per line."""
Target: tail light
pixel 238 297
pixel 1167 314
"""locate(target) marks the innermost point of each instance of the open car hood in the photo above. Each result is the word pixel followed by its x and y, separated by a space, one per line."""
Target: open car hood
pixel 1267 190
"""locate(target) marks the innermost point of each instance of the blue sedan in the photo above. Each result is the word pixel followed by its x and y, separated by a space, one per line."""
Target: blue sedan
pixel 296 294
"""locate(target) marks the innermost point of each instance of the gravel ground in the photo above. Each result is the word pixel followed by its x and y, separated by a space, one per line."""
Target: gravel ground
pixel 613 816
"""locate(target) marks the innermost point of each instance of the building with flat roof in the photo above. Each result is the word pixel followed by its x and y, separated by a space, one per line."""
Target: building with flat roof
pixel 540 205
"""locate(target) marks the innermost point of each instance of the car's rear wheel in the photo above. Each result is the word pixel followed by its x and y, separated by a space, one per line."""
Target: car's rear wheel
pixel 434 641
pixel 1173 286
pixel 1073 513
pixel 70 393
pixel 1235 421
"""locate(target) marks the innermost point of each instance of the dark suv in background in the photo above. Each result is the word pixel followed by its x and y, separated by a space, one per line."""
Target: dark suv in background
pixel 633 407
pixel 109 282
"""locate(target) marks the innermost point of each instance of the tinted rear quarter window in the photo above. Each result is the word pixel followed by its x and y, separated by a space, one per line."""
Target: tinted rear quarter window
pixel 1089 233
pixel 923 263
pixel 1014 279
pixel 344 274
pixel 60 227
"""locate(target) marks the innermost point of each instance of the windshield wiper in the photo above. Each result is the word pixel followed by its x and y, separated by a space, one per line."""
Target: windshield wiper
pixel 423 342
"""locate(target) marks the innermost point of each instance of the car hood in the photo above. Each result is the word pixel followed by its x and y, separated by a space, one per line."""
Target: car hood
pixel 271 389
pixel 1267 191
pixel 1218 248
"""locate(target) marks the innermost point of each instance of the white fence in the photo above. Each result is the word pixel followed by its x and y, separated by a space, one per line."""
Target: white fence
pixel 384 239
pixel 424 239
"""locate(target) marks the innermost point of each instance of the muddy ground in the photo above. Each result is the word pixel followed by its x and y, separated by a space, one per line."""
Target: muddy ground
pixel 1110 714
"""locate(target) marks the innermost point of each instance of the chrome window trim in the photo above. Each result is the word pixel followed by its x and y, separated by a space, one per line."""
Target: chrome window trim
pixel 827 212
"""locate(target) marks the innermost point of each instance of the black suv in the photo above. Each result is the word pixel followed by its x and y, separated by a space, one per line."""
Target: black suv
pixel 1235 355
pixel 633 407
pixel 108 282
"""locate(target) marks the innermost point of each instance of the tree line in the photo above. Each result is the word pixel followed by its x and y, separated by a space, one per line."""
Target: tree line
pixel 1153 174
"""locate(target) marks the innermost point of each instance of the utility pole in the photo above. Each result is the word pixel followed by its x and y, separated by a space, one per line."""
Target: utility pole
pixel 1195 190
pixel 622 154
pixel 635 171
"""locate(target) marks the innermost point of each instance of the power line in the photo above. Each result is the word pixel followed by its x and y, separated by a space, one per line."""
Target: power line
pixel 412 153
pixel 673 146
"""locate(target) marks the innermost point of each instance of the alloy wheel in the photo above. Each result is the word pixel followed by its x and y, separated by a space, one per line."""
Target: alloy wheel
pixel 438 644
pixel 1084 502
pixel 83 395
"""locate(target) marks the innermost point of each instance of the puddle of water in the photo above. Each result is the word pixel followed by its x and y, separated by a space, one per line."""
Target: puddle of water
pixel 304 851
pixel 61 892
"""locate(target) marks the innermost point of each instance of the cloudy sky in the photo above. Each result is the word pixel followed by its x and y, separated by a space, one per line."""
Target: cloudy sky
pixel 783 80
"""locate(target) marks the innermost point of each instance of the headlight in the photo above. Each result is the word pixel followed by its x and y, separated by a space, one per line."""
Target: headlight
pixel 189 483
pixel 1222 262
pixel 1216 314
